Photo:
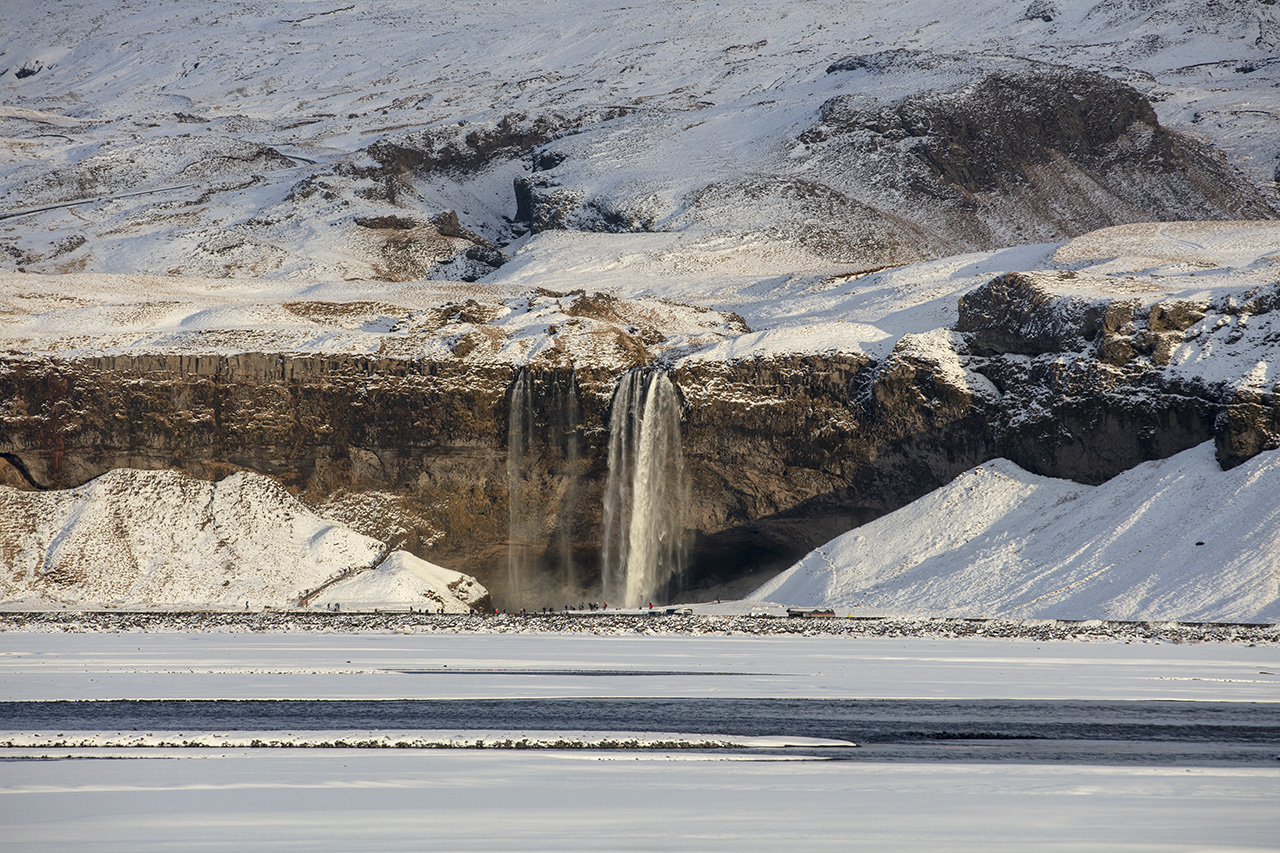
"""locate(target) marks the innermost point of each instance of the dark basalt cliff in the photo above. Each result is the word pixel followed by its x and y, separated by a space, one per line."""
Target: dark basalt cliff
pixel 781 454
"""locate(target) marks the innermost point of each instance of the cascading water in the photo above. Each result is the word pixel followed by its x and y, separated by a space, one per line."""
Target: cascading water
pixel 644 506
pixel 571 410
pixel 624 437
pixel 519 445
pixel 535 517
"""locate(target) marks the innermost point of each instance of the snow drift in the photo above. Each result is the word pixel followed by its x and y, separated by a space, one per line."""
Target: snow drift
pixel 403 579
pixel 164 539
pixel 1173 539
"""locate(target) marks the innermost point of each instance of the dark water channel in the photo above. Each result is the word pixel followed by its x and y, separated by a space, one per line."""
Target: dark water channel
pixel 1151 733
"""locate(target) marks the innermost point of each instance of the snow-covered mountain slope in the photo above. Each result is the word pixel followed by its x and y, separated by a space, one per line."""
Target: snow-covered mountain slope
pixel 1173 539
pixel 165 539
pixel 626 301
pixel 289 138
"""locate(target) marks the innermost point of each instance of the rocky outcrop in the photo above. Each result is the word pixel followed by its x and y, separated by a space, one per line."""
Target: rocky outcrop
pixel 1010 314
pixel 461 147
pixel 1085 389
pixel 1249 424
pixel 1007 151
pixel 1021 150
pixel 409 249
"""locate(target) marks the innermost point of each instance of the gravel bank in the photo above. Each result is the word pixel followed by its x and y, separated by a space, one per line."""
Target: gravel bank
pixel 607 624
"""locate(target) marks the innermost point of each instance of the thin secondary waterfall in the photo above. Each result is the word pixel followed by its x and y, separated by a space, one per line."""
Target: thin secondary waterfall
pixel 519 446
pixel 571 411
pixel 644 506
pixel 540 522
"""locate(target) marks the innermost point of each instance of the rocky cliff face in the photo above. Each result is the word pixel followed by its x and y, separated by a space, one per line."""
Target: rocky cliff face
pixel 781 452
pixel 318 425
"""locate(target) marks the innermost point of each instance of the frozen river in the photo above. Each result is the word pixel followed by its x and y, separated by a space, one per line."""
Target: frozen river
pixel 1144 733
pixel 966 744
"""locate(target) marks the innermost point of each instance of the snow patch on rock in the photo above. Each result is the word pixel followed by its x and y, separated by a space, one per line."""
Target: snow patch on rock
pixel 405 580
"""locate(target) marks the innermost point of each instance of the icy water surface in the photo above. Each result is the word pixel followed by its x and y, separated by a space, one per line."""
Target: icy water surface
pixel 1110 732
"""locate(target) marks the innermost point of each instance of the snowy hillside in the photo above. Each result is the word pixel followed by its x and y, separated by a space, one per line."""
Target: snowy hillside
pixel 872 246
pixel 141 539
pixel 395 141
pixel 1173 539
pixel 840 170
pixel 534 311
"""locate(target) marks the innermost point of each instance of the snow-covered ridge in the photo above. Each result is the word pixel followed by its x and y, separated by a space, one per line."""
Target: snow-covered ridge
pixel 1173 539
pixel 144 539
pixel 255 139
pixel 555 303
pixel 88 315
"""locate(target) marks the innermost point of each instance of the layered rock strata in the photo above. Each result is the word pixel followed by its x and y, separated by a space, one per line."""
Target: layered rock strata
pixel 782 453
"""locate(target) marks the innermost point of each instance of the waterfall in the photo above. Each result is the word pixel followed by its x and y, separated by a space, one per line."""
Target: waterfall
pixel 624 436
pixel 540 526
pixel 519 445
pixel 644 503
pixel 571 411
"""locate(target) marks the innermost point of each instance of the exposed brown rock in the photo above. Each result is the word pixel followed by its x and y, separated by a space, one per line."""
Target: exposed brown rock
pixel 781 453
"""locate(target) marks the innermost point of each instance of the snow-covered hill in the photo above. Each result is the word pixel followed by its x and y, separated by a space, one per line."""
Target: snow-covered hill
pixel 144 539
pixel 288 138
pixel 537 308
pixel 873 244
pixel 1174 539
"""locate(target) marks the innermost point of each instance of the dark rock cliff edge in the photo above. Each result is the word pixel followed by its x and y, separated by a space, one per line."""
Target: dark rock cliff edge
pixel 781 454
